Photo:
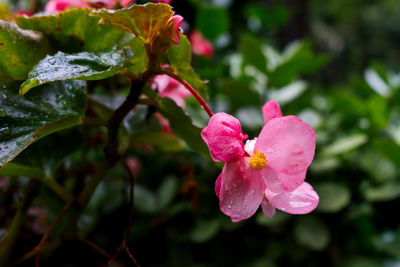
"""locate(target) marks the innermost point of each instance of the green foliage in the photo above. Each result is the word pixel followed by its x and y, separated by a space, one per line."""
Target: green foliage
pixel 212 21
pixel 351 100
pixel 73 30
pixel 81 66
pixel 50 108
pixel 19 51
pixel 180 58
pixel 181 124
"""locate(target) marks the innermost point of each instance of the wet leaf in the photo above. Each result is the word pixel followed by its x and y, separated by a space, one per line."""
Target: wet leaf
pixel 181 124
pixel 142 20
pixel 51 108
pixel 73 30
pixel 81 66
pixel 180 58
pixel 20 50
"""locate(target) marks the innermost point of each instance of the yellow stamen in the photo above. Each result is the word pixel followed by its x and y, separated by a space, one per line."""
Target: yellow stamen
pixel 258 160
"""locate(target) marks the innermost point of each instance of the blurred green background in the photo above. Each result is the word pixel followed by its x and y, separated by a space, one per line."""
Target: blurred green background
pixel 333 63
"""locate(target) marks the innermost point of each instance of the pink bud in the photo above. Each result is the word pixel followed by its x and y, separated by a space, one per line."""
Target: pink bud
pixel 172 29
pixel 201 46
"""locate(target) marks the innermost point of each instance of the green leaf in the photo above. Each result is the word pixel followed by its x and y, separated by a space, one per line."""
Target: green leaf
pixel 180 58
pixel 139 59
pixel 145 200
pixel 312 233
pixel 145 21
pixel 43 156
pixel 378 109
pixel 51 108
pixel 204 230
pixel 251 49
pixel 81 66
pixel 73 30
pixel 181 125
pixel 389 149
pixel 239 94
pixel 345 144
pixel 297 59
pixel 212 22
pixel 332 197
pixel 15 169
pixel 386 192
pixel 20 50
pixel 163 141
pixel 167 191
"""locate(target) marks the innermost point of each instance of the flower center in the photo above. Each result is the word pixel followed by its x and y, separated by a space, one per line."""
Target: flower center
pixel 258 160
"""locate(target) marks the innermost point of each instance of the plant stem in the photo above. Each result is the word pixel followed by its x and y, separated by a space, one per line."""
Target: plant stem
pixel 111 148
pixel 192 91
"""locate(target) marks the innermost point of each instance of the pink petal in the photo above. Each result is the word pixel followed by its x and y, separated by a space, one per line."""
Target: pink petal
pixel 267 208
pixel 271 110
pixel 162 1
pixel 242 190
pixel 173 29
pixel 169 87
pixel 55 6
pixel 126 3
pixel 201 46
pixel 224 137
pixel 218 184
pixel 302 200
pixel 289 145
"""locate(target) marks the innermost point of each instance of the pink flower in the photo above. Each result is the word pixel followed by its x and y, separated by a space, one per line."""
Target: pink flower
pixel 269 170
pixel 169 87
pixel 200 46
pixel 54 6
pixel 126 3
pixel 163 1
pixel 172 30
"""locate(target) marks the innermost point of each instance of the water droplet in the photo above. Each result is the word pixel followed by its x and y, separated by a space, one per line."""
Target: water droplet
pixel 3 112
pixel 52 61
pixel 229 206
pixel 5 131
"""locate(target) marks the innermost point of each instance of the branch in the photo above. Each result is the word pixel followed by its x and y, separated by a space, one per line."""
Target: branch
pixel 36 250
pixel 123 245
pixel 130 102
pixel 192 91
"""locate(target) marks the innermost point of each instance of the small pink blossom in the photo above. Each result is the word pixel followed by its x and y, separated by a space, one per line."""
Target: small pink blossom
pixel 269 171
pixel 201 46
pixel 126 3
pixel 54 6
pixel 173 29
pixel 169 87
pixel 23 13
pixel 163 1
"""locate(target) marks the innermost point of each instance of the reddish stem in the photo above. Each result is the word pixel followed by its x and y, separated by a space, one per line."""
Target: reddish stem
pixel 192 91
